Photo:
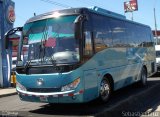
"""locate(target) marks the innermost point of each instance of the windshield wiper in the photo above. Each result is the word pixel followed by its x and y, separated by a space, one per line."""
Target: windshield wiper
pixel 53 61
pixel 27 66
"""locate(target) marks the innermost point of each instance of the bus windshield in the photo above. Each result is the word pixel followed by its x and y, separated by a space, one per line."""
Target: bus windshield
pixel 51 41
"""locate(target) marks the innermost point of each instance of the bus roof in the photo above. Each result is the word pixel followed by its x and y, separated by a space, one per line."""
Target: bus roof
pixel 106 12
pixel 76 11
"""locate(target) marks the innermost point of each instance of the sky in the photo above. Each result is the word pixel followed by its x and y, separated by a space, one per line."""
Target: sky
pixel 25 9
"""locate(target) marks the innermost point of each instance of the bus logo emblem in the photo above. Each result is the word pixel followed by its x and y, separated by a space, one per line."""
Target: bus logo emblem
pixel 40 81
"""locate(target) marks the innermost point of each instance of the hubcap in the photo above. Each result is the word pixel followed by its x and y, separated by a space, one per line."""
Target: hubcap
pixel 104 90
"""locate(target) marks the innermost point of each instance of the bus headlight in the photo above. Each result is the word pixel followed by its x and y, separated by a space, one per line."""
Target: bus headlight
pixel 71 86
pixel 21 87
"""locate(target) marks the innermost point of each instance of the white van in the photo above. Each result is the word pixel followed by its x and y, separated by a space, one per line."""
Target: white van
pixel 157 48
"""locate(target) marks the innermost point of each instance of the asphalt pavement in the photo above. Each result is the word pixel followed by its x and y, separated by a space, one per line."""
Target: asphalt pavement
pixel 128 99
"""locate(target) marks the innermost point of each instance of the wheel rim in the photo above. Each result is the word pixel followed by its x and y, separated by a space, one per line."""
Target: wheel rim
pixel 104 90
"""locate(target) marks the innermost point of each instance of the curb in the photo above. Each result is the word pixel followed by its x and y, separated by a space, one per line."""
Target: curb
pixel 134 103
pixel 9 94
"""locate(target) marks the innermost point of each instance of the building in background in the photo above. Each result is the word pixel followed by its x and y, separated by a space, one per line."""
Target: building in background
pixel 157 39
pixel 7 18
pixel 157 47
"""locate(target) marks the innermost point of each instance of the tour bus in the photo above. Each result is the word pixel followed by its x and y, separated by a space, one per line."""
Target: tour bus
pixel 80 54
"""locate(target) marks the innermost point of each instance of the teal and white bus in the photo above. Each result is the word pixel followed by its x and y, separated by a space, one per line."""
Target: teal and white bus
pixel 77 55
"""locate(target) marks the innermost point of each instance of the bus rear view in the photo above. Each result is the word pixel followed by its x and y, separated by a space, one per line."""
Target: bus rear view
pixel 80 54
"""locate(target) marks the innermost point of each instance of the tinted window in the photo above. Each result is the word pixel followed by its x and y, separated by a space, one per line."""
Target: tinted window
pixel 144 36
pixel 118 33
pixel 133 40
pixel 138 36
pixel 102 32
pixel 101 41
pixel 149 37
pixel 88 44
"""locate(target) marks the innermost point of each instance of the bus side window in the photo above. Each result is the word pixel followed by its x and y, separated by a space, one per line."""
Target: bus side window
pixel 118 32
pixel 102 40
pixel 88 49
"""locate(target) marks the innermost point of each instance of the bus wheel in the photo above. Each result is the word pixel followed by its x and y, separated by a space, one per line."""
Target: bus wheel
pixel 105 90
pixel 143 81
pixel 51 104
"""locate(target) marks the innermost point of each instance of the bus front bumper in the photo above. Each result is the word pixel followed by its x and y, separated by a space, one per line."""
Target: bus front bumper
pixel 56 97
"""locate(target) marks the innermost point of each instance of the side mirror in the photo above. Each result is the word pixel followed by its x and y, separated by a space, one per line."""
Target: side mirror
pixel 78 30
pixel 10 32
pixel 78 26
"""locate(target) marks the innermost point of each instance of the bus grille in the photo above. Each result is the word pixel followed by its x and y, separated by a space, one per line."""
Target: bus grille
pixel 44 90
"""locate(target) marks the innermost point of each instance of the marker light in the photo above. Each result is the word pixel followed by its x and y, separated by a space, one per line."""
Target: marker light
pixel 71 86
pixel 21 87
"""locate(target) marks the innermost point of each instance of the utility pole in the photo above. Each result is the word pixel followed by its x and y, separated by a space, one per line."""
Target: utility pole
pixel 155 25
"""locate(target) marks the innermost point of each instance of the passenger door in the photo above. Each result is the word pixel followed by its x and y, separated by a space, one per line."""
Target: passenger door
pixel 90 74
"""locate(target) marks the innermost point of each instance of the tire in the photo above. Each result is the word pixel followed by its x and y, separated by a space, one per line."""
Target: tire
pixel 105 90
pixel 51 104
pixel 143 80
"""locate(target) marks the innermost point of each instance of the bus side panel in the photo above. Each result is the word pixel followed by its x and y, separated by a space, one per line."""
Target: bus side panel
pixel 135 61
pixel 91 89
pixel 150 61
pixel 116 63
pixel 120 75
pixel 117 66
pixel 113 61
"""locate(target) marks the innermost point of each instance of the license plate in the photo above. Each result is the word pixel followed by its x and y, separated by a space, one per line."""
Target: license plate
pixel 43 99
